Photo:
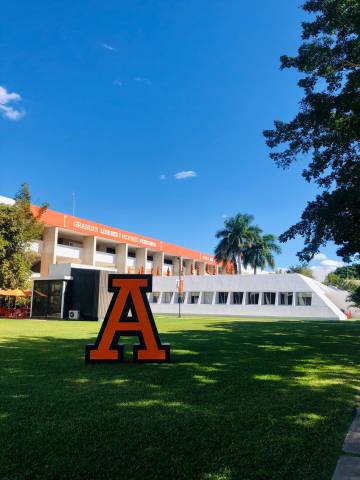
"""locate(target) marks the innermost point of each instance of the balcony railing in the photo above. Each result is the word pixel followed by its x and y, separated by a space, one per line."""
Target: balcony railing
pixel 105 258
pixel 74 253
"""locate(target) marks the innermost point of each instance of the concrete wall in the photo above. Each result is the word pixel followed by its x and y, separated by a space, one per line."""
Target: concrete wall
pixel 321 305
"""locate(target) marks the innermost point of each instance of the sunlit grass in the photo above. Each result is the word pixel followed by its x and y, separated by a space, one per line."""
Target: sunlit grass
pixel 241 399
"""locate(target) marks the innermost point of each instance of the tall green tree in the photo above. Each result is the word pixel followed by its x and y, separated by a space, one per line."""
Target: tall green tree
pixel 261 251
pixel 327 127
pixel 235 238
pixel 349 271
pixel 18 228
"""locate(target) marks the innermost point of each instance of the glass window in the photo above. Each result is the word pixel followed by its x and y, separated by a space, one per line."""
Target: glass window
pixel 154 297
pixel 285 298
pixel 69 243
pixel 47 298
pixel 303 299
pixel 268 298
pixel 237 298
pixel 252 298
pixel 167 297
pixel 194 297
pixel 40 298
pixel 167 261
pixel 179 298
pixel 222 297
pixel 207 298
pixel 110 250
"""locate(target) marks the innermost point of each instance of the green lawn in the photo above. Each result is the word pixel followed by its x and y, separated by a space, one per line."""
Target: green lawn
pixel 242 399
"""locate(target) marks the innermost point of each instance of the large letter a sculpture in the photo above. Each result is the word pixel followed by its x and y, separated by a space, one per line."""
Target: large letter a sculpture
pixel 129 296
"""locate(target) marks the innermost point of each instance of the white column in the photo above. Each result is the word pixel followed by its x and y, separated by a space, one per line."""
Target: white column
pixel 158 263
pixel 141 257
pixel 176 265
pixel 121 257
pixel 89 250
pixel 188 264
pixel 48 254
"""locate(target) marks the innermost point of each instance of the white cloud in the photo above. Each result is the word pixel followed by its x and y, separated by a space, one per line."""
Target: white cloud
pixel 183 175
pixel 118 83
pixel 144 80
pixel 320 256
pixel 326 265
pixel 331 263
pixel 7 110
pixel 162 177
pixel 109 47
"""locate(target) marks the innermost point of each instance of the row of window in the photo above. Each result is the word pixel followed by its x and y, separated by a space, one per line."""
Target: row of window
pixel 302 299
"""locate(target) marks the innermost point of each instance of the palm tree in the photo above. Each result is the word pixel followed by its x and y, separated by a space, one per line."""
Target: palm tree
pixel 260 252
pixel 236 237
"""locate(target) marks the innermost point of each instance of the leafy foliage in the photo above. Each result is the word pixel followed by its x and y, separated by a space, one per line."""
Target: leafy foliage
pixel 235 238
pixel 260 252
pixel 303 269
pixel 243 243
pixel 340 282
pixel 327 127
pixel 355 297
pixel 350 271
pixel 18 227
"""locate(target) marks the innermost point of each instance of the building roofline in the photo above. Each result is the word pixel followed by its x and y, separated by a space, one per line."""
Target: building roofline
pixel 90 228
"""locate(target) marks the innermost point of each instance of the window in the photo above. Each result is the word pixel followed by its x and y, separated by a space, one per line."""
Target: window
pixel 154 297
pixel 47 299
pixel 237 298
pixel 194 297
pixel 110 250
pixel 167 297
pixel 268 298
pixel 131 254
pixel 69 243
pixel 167 261
pixel 222 298
pixel 303 299
pixel 207 298
pixel 179 298
pixel 150 258
pixel 252 298
pixel 285 298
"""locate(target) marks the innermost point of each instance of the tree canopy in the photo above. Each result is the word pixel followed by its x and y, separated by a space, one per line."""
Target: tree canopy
pixel 326 128
pixel 242 243
pixel 260 252
pixel 18 228
pixel 235 237
pixel 349 271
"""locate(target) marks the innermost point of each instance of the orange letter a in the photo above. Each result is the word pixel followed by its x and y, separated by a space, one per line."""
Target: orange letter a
pixel 129 295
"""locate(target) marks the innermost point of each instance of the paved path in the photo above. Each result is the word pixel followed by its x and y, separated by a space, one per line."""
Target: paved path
pixel 348 466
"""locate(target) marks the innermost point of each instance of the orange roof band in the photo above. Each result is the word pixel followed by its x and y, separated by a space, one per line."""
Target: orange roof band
pixel 87 227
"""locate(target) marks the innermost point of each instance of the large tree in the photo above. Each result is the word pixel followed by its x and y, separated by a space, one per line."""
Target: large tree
pixel 261 250
pixel 18 228
pixel 327 127
pixel 235 238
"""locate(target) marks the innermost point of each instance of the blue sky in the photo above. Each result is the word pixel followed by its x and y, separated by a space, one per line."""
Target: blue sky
pixel 119 96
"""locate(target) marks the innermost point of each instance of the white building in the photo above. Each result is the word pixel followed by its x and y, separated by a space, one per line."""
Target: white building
pixel 75 255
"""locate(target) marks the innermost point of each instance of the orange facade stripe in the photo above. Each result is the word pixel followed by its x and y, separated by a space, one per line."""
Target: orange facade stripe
pixel 87 227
